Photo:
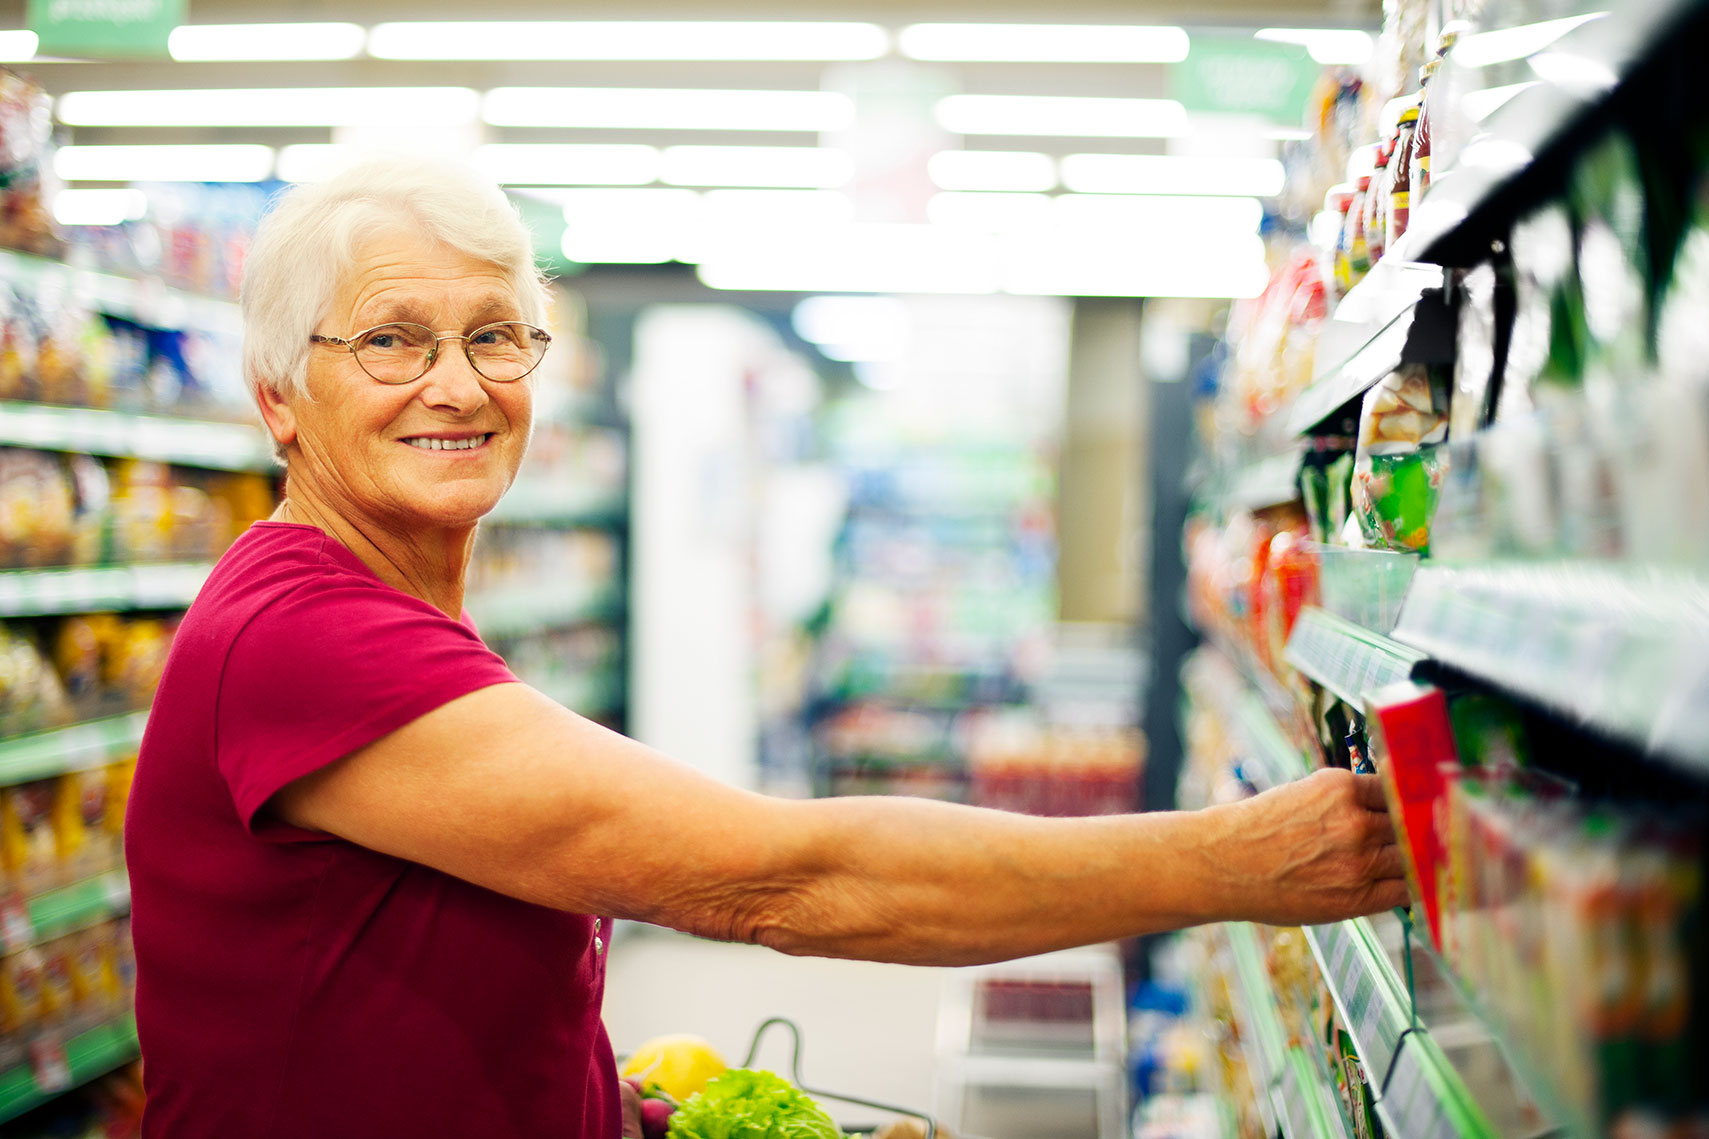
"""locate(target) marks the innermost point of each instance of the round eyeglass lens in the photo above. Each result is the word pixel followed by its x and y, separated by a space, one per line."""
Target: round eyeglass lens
pixel 395 353
pixel 508 350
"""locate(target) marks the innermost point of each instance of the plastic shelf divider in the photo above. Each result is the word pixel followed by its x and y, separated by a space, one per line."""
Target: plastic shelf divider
pixel 1622 649
pixel 45 592
pixel 1349 660
pixel 72 907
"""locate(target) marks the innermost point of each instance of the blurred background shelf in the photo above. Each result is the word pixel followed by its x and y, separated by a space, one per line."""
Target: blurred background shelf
pixel 544 504
pixel 123 434
pixel 508 613
pixel 43 592
pixel 142 300
pixel 88 1055
pixel 75 906
pixel 36 755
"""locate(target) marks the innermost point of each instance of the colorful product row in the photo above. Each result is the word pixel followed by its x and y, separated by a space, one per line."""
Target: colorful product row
pixel 63 829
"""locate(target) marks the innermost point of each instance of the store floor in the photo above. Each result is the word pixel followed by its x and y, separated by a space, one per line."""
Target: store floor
pixel 867 1030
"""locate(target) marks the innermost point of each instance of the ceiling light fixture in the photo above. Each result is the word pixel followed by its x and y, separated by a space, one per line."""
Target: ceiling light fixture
pixel 1173 174
pixel 1044 43
pixel 242 42
pixel 1347 47
pixel 98 207
pixel 1062 116
pixel 17 46
pixel 785 167
pixel 220 162
pixel 269 107
pixel 636 108
pixel 567 164
pixel 1017 170
pixel 804 40
pixel 636 227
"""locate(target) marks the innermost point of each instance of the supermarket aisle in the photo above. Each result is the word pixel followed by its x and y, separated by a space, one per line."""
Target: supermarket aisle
pixel 868 1029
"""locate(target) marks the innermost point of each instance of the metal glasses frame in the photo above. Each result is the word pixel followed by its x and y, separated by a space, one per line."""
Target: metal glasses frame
pixel 433 353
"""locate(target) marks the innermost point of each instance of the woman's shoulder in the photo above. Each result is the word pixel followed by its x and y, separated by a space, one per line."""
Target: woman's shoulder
pixel 272 561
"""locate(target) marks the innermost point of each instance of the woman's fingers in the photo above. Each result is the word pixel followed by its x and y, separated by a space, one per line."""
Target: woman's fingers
pixel 1368 789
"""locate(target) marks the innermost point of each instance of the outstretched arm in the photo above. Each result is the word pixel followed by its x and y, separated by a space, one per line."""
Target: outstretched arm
pixel 508 790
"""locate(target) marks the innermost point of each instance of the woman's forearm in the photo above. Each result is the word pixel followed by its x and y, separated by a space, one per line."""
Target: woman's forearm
pixel 929 883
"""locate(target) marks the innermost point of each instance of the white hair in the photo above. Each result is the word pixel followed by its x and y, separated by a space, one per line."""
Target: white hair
pixel 308 242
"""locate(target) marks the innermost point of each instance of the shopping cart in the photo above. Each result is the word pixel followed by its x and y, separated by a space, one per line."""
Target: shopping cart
pixel 820 1093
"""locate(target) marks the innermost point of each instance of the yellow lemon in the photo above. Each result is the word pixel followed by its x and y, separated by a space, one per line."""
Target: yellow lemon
pixel 678 1065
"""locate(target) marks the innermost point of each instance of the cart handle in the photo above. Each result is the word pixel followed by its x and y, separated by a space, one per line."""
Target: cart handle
pixel 795 1075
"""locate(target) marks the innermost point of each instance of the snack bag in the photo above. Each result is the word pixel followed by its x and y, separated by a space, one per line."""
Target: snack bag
pixel 20 993
pixel 95 970
pixel 27 840
pixel 1397 470
pixel 81 830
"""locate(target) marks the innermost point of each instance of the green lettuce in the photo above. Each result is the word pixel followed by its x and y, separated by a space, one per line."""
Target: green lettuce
pixel 747 1104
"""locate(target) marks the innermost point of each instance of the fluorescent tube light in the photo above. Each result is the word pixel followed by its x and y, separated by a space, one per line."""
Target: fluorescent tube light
pixel 98 207
pixel 1157 264
pixel 1480 49
pixel 1173 174
pixel 637 108
pixel 269 107
pixel 801 167
pixel 1117 214
pixel 629 39
pixel 629 226
pixel 862 258
pixel 989 213
pixel 225 162
pixel 213 42
pixel 567 164
pixel 1062 115
pixel 315 161
pixel 1045 43
pixel 1017 170
pixel 17 46
pixel 1328 46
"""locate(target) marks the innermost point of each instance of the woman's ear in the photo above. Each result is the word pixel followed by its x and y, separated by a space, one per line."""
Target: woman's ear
pixel 277 413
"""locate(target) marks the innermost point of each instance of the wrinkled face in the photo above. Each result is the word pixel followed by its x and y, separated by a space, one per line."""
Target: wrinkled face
pixel 437 451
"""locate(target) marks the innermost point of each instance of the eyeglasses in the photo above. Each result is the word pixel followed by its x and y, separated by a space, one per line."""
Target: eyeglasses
pixel 398 353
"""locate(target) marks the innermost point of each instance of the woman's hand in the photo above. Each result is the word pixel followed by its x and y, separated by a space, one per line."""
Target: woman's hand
pixel 1316 850
pixel 631 1098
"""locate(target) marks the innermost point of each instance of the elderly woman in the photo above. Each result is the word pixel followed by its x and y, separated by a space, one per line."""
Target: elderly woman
pixel 373 873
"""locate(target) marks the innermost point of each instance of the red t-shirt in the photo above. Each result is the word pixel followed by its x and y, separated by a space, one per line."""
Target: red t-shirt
pixel 291 985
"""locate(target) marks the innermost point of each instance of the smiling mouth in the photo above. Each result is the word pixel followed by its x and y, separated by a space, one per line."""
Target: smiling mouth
pixel 428 443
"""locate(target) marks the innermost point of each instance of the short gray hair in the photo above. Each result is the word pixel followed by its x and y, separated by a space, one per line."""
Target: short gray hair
pixel 309 239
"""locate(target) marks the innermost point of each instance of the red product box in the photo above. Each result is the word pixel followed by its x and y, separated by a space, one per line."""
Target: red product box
pixel 1411 738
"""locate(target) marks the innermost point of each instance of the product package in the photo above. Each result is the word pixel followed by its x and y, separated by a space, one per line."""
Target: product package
pixel 1397 471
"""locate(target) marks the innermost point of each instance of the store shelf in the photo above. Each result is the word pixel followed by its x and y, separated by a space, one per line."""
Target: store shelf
pixel 1520 157
pixel 1379 356
pixel 538 504
pixel 145 301
pixel 67 909
pixel 1366 587
pixel 40 593
pixel 590 694
pixel 1293 1093
pixel 1268 482
pixel 1392 286
pixel 1349 660
pixel 1418 1093
pixel 123 434
pixel 1623 650
pixel 89 1055
pixel 1270 759
pixel 516 612
pixel 38 755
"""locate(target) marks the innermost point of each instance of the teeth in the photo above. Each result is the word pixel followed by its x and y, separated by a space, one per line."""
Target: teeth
pixel 427 444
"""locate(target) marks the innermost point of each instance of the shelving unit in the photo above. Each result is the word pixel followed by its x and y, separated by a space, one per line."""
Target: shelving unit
pixel 55 751
pixel 89 1055
pixel 46 592
pixel 144 301
pixel 509 613
pixel 69 908
pixel 129 435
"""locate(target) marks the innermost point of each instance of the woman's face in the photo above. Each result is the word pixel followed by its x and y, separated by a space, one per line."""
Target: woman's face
pixel 360 442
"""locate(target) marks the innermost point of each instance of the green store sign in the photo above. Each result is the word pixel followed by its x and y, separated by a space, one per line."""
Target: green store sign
pixel 1241 75
pixel 104 29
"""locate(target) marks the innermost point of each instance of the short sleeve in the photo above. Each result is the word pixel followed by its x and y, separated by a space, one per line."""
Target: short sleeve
pixel 328 668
